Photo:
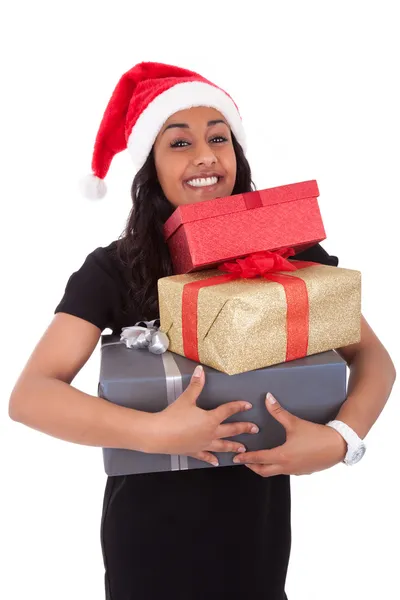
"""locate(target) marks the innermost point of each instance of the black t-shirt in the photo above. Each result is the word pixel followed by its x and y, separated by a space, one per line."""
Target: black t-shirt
pixel 98 290
pixel 205 533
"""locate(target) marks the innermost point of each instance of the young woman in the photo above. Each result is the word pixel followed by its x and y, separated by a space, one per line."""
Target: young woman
pixel 203 534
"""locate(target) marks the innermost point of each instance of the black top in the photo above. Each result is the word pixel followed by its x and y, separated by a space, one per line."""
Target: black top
pixel 200 534
pixel 98 290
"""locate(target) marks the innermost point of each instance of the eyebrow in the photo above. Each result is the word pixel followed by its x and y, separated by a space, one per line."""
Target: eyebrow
pixel 186 126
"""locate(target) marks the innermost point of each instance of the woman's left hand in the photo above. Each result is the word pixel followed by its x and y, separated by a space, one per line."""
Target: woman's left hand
pixel 309 447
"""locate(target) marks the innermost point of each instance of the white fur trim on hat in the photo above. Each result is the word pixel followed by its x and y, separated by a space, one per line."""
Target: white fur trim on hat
pixel 180 97
pixel 93 187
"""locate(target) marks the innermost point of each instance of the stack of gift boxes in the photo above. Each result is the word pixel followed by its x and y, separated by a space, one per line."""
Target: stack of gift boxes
pixel 242 305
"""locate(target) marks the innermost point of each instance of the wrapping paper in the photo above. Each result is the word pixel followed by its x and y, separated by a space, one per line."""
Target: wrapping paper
pixel 205 234
pixel 312 388
pixel 243 325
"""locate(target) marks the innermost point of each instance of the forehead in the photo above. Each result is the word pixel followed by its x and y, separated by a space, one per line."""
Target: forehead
pixel 195 115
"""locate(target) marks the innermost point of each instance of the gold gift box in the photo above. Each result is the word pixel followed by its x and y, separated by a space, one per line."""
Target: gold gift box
pixel 242 324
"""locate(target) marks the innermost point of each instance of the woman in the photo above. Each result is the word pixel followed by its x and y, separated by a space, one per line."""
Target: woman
pixel 207 533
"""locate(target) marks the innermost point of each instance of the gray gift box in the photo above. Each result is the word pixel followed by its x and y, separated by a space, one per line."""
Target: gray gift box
pixel 312 388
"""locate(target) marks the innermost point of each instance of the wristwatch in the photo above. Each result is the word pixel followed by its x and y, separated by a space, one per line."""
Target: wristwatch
pixel 355 445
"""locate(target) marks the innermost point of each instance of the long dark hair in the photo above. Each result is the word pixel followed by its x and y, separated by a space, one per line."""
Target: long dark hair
pixel 141 247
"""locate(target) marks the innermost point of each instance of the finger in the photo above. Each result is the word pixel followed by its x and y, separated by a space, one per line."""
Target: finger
pixel 231 408
pixel 195 386
pixel 226 446
pixel 266 470
pixel 266 457
pixel 206 457
pixel 232 429
pixel 283 416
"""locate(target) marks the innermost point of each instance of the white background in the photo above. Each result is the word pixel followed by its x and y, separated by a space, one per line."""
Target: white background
pixel 317 85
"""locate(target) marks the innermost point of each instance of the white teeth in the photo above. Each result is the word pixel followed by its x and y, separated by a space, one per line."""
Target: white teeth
pixel 203 182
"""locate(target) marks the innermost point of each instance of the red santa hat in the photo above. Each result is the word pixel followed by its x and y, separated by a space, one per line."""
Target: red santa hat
pixel 144 98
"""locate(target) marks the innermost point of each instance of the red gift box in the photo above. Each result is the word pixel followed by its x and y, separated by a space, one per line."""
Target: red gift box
pixel 205 234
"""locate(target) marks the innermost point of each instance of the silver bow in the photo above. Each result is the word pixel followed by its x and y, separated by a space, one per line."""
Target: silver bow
pixel 145 334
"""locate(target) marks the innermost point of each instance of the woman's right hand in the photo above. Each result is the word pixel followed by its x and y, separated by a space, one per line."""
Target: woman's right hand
pixel 184 428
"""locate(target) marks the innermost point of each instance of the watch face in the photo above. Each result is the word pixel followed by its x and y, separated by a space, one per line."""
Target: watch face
pixel 358 454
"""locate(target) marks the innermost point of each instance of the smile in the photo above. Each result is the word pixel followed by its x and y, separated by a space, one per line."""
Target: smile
pixel 203 182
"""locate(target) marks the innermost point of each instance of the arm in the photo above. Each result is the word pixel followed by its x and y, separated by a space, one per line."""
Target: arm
pixel 311 447
pixel 372 375
pixel 44 399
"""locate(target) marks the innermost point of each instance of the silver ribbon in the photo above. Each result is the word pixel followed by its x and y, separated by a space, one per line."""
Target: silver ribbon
pixel 145 334
pixel 173 378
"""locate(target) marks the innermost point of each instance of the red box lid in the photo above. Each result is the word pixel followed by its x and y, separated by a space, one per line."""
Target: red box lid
pixel 233 204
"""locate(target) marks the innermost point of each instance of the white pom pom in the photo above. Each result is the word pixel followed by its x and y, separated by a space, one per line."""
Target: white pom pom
pixel 93 187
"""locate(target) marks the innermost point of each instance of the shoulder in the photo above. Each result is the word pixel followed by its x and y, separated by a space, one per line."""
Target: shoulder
pixel 97 289
pixel 105 263
pixel 105 258
pixel 318 254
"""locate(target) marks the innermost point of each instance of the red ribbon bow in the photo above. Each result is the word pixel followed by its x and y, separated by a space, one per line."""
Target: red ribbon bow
pixel 260 263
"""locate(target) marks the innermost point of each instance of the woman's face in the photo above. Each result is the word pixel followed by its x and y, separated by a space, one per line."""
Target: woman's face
pixel 194 156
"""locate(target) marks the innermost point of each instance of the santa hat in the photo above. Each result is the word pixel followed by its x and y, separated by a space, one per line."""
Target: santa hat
pixel 144 98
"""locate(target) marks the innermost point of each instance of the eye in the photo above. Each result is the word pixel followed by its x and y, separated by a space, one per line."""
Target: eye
pixel 179 144
pixel 219 139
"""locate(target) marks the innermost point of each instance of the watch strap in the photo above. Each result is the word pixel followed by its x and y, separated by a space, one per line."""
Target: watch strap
pixel 354 442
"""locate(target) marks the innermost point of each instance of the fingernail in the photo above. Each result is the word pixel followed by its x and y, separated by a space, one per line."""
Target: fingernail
pixel 248 406
pixel 270 398
pixel 242 449
pixel 198 371
pixel 236 459
pixel 254 429
pixel 215 463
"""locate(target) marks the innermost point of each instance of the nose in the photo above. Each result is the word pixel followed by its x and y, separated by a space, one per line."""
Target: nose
pixel 205 156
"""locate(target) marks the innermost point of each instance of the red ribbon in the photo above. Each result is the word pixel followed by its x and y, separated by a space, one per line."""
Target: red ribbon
pixel 252 200
pixel 261 264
